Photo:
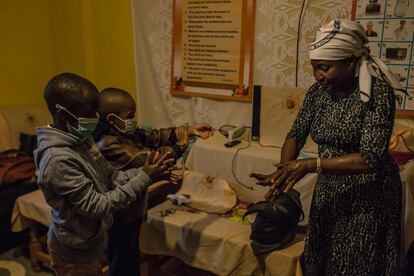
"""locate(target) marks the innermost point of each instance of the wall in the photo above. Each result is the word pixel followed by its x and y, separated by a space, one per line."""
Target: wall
pixel 41 38
pixel 113 46
pixel 274 61
pixel 25 50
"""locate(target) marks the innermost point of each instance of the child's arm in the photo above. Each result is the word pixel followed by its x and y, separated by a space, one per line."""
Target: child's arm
pixel 156 138
pixel 120 154
pixel 66 178
pixel 154 166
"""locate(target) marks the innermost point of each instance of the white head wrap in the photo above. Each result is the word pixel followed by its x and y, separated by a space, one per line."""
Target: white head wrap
pixel 340 39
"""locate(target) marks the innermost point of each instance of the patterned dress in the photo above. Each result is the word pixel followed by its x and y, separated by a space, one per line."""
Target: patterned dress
pixel 355 219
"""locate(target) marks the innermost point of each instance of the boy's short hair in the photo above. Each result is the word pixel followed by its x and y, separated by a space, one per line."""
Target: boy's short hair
pixel 112 100
pixel 68 90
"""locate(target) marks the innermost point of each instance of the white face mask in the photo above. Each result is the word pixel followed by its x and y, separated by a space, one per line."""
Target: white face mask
pixel 130 125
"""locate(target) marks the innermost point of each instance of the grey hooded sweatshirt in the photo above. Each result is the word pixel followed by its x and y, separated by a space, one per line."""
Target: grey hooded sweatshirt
pixel 83 190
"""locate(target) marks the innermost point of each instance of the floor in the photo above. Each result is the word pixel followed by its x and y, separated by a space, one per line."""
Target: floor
pixel 16 263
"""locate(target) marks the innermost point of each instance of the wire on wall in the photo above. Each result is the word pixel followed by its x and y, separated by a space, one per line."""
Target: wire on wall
pixel 300 22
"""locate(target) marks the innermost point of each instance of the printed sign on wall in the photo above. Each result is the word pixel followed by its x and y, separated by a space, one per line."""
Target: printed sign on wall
pixel 213 48
pixel 389 25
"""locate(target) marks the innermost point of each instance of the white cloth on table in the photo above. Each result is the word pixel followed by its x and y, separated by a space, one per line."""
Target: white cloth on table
pixel 260 159
pixel 33 206
pixel 255 158
pixel 212 195
pixel 214 243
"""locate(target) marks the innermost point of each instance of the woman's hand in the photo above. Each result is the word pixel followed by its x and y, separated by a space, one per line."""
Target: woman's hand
pixel 201 130
pixel 285 176
pixel 265 179
pixel 274 180
pixel 295 170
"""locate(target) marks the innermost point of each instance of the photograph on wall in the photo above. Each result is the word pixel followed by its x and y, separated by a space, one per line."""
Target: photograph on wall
pixel 213 48
pixel 396 53
pixel 370 8
pixel 389 26
pixel 401 73
pixel 398 30
pixel 373 28
pixel 399 8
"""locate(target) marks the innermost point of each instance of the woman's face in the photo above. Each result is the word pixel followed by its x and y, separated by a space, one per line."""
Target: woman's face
pixel 334 74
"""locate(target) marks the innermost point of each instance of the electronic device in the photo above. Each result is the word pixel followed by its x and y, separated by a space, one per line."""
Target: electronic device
pixel 373 7
pixel 396 53
pixel 232 143
pixel 256 112
pixel 235 132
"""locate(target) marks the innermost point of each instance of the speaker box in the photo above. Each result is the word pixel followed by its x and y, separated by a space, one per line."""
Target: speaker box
pixel 256 112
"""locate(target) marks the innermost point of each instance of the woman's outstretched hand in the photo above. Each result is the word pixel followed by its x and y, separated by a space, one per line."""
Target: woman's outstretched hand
pixel 285 176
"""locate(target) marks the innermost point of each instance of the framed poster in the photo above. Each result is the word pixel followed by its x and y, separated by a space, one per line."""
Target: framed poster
pixel 389 25
pixel 213 48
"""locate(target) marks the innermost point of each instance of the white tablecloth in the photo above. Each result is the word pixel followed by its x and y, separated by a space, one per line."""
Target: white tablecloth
pixel 33 206
pixel 214 243
pixel 212 158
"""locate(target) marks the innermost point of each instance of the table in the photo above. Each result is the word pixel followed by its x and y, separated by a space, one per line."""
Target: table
pixel 211 157
pixel 214 243
pixel 30 210
pixel 173 234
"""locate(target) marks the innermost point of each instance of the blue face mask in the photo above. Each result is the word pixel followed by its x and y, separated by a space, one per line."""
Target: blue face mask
pixel 86 126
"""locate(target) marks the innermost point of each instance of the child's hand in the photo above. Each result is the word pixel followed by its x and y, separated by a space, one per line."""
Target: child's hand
pixel 176 176
pixel 201 130
pixel 165 149
pixel 157 168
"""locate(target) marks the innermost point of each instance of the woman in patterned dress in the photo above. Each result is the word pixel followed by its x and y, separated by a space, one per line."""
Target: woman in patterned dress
pixel 355 218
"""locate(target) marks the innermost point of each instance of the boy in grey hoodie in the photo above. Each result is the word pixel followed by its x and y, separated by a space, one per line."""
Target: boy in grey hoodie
pixel 77 182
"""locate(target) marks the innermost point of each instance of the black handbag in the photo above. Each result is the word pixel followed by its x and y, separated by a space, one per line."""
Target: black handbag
pixel 276 221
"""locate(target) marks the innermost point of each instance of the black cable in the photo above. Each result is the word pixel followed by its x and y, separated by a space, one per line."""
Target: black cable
pixel 297 43
pixel 233 163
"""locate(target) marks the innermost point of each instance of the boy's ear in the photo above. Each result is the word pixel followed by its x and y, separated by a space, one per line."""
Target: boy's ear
pixel 63 117
pixel 60 118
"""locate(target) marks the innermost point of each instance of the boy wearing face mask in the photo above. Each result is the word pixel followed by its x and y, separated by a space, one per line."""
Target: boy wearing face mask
pixel 125 145
pixel 82 188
